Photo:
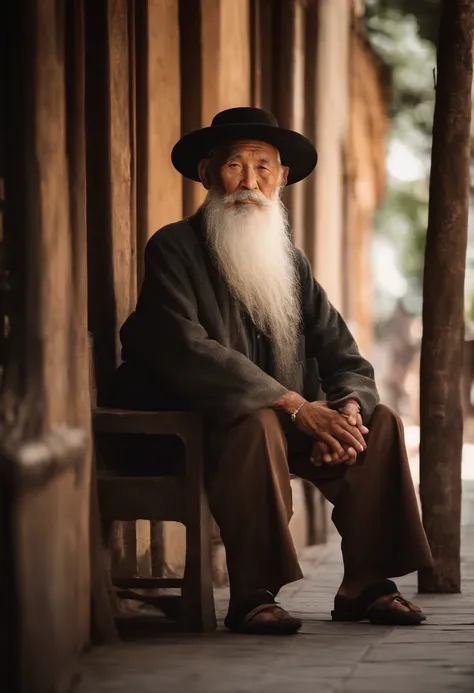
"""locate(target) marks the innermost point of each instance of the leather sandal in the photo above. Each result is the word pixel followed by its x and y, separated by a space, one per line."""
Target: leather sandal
pixel 260 614
pixel 374 604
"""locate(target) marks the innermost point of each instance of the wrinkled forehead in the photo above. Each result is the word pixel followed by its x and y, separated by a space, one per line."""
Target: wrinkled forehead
pixel 247 149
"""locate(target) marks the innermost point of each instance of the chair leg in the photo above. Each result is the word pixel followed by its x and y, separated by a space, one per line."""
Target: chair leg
pixel 198 612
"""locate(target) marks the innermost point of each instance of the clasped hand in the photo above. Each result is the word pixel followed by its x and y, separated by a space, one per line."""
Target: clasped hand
pixel 338 433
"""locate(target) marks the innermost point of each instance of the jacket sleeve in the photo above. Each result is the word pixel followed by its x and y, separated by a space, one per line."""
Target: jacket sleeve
pixel 165 333
pixel 344 372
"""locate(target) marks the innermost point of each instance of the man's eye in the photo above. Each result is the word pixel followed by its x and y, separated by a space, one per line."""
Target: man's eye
pixel 263 168
pixel 234 165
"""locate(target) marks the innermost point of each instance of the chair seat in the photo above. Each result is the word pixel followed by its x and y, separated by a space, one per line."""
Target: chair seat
pixel 147 422
pixel 138 443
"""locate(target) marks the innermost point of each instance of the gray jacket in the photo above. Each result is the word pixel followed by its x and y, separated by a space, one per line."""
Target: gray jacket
pixel 187 332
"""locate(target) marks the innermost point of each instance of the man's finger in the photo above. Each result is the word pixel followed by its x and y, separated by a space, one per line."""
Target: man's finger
pixel 354 432
pixel 355 420
pixel 328 456
pixel 360 425
pixel 319 449
pixel 332 443
pixel 351 460
pixel 349 438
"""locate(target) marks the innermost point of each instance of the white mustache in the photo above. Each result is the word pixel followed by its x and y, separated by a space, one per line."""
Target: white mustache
pixel 246 195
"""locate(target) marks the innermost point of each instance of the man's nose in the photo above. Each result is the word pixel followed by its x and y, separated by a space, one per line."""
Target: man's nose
pixel 249 179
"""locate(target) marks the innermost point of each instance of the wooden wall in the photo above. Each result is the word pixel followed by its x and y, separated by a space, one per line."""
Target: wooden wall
pixel 45 401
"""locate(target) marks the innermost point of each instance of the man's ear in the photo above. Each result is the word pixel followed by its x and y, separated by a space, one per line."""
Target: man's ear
pixel 203 170
pixel 284 175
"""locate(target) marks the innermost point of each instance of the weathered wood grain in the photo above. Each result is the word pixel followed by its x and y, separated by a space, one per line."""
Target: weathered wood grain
pixel 441 419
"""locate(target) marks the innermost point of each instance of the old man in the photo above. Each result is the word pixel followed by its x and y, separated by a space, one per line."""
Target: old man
pixel 231 323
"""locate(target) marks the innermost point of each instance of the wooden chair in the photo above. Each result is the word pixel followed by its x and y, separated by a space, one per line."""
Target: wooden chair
pixel 179 497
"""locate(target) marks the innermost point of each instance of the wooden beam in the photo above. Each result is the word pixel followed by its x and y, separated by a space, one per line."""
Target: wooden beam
pixel 102 319
pixel 111 198
pixel 159 120
pixel 121 126
pixel 262 27
pixel 191 87
pixel 310 73
pixel 441 419
pixel 330 137
pixel 288 72
pixel 221 45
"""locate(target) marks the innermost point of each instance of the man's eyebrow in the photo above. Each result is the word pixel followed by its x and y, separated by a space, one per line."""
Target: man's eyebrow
pixel 237 155
pixel 233 155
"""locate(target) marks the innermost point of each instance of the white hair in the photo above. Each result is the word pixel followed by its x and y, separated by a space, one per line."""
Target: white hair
pixel 253 252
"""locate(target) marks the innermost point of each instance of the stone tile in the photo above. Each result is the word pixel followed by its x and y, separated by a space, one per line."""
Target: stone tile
pixel 438 652
pixel 431 634
pixel 412 677
pixel 419 683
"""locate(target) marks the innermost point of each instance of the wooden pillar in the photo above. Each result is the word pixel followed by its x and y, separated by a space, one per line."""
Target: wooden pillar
pixel 441 420
pixel 102 318
pixel 331 94
pixel 191 86
pixel 111 199
pixel 160 199
pixel 42 446
pixel 278 79
pixel 121 129
pixel 78 381
pixel 289 94
pixel 309 190
pixel 223 53
pixel 158 127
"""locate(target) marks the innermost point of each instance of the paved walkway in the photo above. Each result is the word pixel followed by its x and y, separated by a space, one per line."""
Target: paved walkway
pixel 437 657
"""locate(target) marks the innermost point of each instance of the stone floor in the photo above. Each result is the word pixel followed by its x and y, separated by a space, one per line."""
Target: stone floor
pixel 325 657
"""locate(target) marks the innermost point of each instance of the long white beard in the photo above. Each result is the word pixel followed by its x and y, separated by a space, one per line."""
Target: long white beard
pixel 253 252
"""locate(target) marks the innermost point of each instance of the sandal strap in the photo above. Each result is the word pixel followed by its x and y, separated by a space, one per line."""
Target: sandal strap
pixel 368 596
pixel 250 605
pixel 397 597
pixel 258 610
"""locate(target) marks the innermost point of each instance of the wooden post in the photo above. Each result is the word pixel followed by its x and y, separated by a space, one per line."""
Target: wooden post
pixel 215 67
pixel 160 199
pixel 443 307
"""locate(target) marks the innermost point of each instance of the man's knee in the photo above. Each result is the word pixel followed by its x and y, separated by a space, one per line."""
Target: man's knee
pixel 385 417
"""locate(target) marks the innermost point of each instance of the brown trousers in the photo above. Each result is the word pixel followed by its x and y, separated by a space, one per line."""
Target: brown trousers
pixel 375 506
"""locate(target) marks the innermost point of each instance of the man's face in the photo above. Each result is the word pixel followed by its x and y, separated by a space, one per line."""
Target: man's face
pixel 245 165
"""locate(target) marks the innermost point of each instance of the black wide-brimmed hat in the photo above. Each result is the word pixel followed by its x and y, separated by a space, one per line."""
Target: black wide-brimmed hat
pixel 296 151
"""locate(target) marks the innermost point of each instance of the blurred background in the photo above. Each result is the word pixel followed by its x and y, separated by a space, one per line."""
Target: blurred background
pixel 403 33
